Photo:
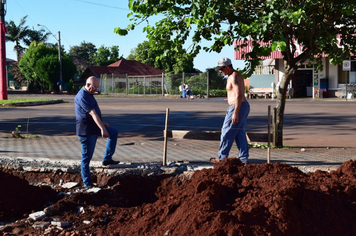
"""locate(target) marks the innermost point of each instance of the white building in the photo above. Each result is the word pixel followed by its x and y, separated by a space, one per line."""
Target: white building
pixel 308 81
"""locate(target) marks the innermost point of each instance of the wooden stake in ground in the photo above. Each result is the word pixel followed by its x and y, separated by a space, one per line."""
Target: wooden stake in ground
pixel 269 135
pixel 164 163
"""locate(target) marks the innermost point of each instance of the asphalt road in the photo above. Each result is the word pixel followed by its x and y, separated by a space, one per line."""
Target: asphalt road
pixel 308 122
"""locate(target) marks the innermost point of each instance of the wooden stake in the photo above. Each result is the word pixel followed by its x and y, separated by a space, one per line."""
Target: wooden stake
pixel 164 163
pixel 269 135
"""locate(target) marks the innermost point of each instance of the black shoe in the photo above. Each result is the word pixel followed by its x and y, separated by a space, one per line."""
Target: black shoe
pixel 111 162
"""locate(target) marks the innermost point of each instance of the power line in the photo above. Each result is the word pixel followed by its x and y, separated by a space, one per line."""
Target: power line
pixel 98 4
pixel 28 16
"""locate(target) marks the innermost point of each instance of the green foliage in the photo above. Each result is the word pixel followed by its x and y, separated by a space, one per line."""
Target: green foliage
pixel 17 34
pixel 105 56
pixel 162 59
pixel 85 51
pixel 216 80
pixel 40 66
pixel 258 145
pixel 71 85
pixel 314 24
pixel 265 146
pixel 198 83
pixel 308 27
pixel 102 56
pixel 22 100
pixel 218 93
pixel 17 132
pixel 40 36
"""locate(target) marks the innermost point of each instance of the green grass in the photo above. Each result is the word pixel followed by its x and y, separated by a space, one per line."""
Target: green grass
pixel 265 146
pixel 9 101
pixel 30 136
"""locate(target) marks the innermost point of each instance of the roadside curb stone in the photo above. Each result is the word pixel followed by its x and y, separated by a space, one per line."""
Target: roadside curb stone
pixel 22 104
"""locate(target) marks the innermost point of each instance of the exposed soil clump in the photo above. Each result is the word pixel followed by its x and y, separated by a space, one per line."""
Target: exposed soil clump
pixel 231 199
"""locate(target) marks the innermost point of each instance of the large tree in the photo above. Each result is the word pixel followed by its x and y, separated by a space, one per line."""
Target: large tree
pixel 275 24
pixel 161 59
pixel 106 56
pixel 84 50
pixel 17 34
pixel 40 66
pixel 40 36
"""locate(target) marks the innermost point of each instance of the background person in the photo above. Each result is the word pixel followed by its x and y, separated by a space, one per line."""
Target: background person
pixel 181 89
pixel 189 91
pixel 89 126
pixel 234 127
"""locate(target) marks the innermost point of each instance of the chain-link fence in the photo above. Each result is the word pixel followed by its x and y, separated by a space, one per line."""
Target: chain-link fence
pixel 198 82
pixel 154 85
pixel 347 91
pixel 18 85
pixel 124 84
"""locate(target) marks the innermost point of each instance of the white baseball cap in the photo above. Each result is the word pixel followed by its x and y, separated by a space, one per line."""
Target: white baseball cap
pixel 223 62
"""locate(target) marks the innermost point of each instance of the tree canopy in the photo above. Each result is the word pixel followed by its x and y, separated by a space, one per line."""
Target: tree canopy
pixel 169 62
pixel 97 57
pixel 39 36
pixel 106 56
pixel 40 66
pixel 84 50
pixel 17 34
pixel 278 24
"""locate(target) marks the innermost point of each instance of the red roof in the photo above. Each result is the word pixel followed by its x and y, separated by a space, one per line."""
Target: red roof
pixel 121 67
pixel 132 67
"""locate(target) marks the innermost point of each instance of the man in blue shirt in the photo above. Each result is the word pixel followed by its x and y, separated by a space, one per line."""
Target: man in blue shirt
pixel 89 126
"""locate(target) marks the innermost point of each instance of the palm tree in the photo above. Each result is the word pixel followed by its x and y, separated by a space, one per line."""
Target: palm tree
pixel 39 36
pixel 17 34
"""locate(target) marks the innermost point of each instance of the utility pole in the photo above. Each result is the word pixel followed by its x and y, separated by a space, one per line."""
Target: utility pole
pixel 60 63
pixel 3 80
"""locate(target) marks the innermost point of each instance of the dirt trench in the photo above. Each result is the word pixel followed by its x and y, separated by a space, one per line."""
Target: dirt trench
pixel 230 199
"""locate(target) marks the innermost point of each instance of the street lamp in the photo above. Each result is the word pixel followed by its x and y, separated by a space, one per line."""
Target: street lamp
pixel 59 57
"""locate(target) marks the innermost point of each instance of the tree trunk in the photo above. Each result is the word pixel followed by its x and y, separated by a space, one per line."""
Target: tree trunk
pixel 280 106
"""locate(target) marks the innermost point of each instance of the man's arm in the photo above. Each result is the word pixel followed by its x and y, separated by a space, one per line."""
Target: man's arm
pixel 100 124
pixel 239 87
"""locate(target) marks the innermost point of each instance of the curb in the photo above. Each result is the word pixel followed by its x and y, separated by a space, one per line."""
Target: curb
pixel 22 104
pixel 214 135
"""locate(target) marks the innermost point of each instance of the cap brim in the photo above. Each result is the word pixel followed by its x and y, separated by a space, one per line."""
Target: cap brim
pixel 219 67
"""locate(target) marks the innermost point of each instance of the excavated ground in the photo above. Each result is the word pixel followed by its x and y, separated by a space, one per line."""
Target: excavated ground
pixel 230 199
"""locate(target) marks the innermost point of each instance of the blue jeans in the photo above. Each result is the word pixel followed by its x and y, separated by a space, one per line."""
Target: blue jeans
pixel 235 132
pixel 88 143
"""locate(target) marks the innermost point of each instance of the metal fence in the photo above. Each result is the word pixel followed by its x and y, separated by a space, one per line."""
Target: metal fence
pixel 264 70
pixel 124 84
pixel 153 85
pixel 347 91
pixel 15 85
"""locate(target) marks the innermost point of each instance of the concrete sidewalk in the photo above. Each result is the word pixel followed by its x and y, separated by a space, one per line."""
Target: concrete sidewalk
pixel 130 150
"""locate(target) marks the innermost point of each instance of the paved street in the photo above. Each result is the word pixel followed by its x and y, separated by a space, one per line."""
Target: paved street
pixel 321 132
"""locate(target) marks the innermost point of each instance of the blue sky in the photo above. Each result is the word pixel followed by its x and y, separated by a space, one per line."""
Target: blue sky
pixel 91 21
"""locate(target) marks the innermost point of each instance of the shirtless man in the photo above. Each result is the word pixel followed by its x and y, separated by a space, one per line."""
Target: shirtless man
pixel 234 127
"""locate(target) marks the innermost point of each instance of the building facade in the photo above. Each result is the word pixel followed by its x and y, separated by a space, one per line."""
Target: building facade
pixel 332 81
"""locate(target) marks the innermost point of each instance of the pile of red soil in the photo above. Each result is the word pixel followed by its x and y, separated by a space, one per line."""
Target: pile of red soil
pixel 231 199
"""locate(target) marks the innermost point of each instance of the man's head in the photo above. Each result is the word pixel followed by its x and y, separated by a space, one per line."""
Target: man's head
pixel 225 66
pixel 92 84
pixel 223 62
